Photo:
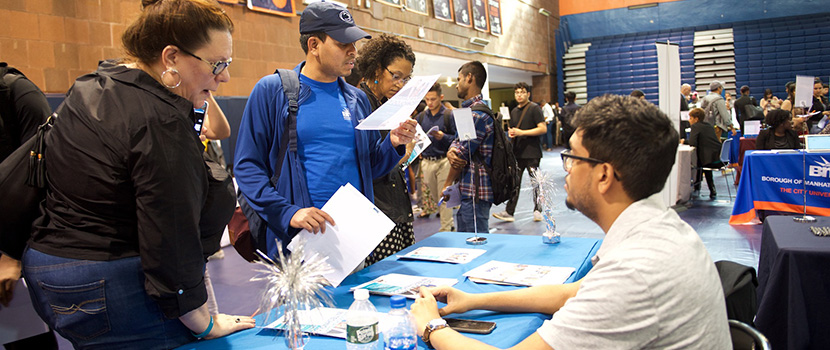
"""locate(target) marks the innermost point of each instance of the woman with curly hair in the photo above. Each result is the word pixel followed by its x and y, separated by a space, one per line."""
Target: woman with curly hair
pixel 386 63
pixel 780 134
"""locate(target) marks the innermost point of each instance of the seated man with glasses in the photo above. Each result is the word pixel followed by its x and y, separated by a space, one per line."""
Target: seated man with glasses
pixel 653 284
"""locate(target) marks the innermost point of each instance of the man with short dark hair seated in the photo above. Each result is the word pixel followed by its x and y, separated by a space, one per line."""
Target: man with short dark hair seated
pixel 653 284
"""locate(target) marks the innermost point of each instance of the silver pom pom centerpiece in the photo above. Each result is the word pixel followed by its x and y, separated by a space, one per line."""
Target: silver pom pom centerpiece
pixel 545 187
pixel 293 284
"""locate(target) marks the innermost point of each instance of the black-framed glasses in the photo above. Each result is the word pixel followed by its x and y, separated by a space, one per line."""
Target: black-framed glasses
pixel 398 78
pixel 218 66
pixel 568 160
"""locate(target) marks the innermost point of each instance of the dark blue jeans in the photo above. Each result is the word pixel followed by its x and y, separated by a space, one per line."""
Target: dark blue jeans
pixel 99 304
pixel 465 216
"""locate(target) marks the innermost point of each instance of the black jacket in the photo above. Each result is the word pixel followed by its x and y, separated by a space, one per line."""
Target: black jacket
pixel 766 140
pixel 127 178
pixel 740 111
pixel 391 196
pixel 704 139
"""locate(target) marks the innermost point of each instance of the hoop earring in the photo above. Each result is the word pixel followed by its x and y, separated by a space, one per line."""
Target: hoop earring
pixel 174 71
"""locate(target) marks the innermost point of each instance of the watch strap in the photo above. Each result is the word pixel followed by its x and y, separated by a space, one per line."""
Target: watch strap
pixel 428 331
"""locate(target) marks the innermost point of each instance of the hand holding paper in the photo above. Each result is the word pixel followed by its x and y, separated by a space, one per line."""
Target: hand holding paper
pixel 311 219
pixel 404 133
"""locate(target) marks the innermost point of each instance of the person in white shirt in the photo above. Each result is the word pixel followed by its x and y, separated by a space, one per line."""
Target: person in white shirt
pixel 653 284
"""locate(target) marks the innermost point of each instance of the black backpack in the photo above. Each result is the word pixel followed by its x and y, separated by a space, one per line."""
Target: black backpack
pixel 503 170
pixel 247 229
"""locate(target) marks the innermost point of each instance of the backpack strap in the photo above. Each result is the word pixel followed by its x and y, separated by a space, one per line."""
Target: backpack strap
pixel 291 88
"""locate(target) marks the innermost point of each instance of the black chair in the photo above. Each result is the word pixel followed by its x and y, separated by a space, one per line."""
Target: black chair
pixel 744 337
pixel 739 283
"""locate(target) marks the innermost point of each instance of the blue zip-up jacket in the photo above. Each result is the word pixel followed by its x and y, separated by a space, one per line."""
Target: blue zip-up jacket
pixel 257 151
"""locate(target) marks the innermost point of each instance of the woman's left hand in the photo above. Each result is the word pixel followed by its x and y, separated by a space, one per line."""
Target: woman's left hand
pixel 403 134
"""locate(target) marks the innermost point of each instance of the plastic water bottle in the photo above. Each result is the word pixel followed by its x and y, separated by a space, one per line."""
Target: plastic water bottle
pixel 361 323
pixel 399 331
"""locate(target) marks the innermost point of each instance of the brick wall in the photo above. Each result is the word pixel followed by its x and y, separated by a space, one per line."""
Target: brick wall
pixel 55 41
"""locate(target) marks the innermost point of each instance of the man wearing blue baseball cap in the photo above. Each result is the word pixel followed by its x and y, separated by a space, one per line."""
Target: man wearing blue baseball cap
pixel 287 189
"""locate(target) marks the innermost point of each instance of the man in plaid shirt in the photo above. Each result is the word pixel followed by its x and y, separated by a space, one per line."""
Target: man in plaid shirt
pixel 475 182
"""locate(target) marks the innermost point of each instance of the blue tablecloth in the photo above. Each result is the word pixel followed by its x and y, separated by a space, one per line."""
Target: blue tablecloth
pixel 794 284
pixel 510 329
pixel 771 181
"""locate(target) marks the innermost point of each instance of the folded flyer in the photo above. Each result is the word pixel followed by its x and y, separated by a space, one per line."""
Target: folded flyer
pixel 498 272
pixel 406 285
pixel 449 255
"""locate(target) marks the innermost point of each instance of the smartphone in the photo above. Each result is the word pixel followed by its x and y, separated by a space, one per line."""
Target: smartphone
pixel 200 118
pixel 471 326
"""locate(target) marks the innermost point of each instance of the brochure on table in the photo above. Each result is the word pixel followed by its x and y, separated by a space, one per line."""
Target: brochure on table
pixel 325 321
pixel 440 254
pixel 499 272
pixel 406 285
pixel 399 108
pixel 355 217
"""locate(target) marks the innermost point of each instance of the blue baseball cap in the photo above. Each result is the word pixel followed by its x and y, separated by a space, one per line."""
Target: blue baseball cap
pixel 332 19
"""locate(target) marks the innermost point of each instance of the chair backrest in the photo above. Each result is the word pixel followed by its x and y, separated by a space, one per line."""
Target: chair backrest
pixel 744 337
pixel 724 151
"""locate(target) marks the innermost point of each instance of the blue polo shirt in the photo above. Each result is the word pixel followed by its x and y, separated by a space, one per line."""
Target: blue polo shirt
pixel 326 141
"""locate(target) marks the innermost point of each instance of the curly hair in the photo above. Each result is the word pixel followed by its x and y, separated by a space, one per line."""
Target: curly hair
pixel 379 52
pixel 777 117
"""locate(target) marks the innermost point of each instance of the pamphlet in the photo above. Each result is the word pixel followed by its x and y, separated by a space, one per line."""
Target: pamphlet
pixel 324 321
pixel 498 272
pixel 421 143
pixel 450 255
pixel 397 109
pixel 406 285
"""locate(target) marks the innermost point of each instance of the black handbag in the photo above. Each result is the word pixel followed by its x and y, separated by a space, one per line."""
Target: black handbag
pixel 23 185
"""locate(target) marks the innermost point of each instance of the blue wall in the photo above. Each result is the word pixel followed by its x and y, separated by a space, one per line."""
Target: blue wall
pixel 685 13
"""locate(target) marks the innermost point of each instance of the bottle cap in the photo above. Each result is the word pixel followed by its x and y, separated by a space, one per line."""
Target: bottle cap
pixel 361 294
pixel 398 302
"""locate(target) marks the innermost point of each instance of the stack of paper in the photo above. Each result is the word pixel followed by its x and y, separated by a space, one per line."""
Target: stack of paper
pixel 406 285
pixel 499 272
pixel 450 255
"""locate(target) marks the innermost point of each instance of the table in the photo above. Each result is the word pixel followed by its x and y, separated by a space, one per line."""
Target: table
pixel 510 329
pixel 678 187
pixel 794 284
pixel 772 180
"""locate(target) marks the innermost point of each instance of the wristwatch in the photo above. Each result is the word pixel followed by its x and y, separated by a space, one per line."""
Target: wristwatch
pixel 433 326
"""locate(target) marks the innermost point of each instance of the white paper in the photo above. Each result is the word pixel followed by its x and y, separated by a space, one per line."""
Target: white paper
pixel 442 254
pixel 398 108
pixel 19 320
pixel 360 227
pixel 421 143
pixel 406 285
pixel 684 115
pixel 803 91
pixel 753 127
pixel 464 123
pixel 519 274
pixel 505 112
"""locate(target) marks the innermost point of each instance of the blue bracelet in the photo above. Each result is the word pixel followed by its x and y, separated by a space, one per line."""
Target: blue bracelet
pixel 205 333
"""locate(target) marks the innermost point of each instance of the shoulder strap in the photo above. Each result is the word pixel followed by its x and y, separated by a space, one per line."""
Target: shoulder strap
pixel 524 111
pixel 448 119
pixel 291 88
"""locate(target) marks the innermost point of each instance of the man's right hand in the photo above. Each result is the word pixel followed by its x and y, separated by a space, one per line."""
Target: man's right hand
pixel 9 275
pixel 311 219
pixel 454 156
pixel 458 302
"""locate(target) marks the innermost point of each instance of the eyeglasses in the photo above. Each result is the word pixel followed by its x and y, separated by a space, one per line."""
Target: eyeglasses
pixel 218 66
pixel 398 78
pixel 568 160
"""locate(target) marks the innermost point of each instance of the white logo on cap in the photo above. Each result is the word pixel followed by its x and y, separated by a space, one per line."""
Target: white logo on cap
pixel 345 16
